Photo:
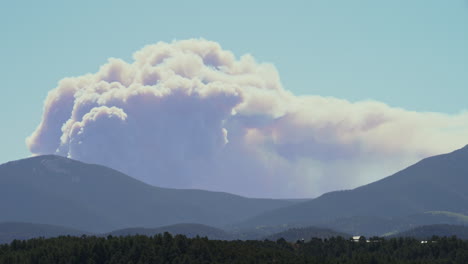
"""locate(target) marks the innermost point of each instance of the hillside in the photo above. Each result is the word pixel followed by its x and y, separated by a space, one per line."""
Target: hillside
pixel 437 183
pixel 426 232
pixel 23 231
pixel 59 191
pixel 306 233
pixel 188 230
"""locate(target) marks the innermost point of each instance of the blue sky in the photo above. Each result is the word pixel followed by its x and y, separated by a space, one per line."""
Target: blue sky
pixel 409 54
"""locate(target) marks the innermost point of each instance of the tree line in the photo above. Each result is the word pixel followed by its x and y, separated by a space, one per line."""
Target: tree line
pixel 165 248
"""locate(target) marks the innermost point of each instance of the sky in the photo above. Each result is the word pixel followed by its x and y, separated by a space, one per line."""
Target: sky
pixel 409 55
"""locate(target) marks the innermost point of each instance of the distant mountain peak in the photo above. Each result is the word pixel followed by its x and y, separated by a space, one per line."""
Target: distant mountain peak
pixel 40 158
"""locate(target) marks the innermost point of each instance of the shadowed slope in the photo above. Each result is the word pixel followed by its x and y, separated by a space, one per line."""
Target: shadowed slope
pixel 59 191
pixel 437 183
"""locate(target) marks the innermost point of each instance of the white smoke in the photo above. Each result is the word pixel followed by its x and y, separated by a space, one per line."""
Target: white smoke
pixel 188 114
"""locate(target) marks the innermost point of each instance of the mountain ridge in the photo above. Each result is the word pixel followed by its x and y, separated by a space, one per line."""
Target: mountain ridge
pixel 59 191
pixel 56 190
pixel 435 183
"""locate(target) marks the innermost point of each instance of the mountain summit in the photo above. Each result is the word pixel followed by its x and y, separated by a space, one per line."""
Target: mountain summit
pixel 59 191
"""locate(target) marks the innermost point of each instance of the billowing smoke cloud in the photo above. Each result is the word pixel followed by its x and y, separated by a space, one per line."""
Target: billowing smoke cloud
pixel 188 114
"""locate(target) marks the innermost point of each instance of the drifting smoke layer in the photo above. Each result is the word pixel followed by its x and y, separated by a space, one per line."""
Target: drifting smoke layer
pixel 188 114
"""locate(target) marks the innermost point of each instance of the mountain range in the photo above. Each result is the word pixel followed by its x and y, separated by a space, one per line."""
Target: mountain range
pixel 435 184
pixel 58 191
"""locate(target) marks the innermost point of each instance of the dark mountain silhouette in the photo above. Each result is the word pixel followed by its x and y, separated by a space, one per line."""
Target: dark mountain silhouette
pixel 23 231
pixel 437 183
pixel 59 191
pixel 306 233
pixel 189 230
pixel 426 232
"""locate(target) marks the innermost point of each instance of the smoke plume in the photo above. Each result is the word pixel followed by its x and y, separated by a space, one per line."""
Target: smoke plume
pixel 189 114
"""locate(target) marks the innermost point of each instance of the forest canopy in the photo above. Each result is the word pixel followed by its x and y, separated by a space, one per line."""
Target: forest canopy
pixel 165 248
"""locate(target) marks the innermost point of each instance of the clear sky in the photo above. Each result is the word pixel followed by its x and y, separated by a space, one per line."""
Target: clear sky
pixel 409 54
